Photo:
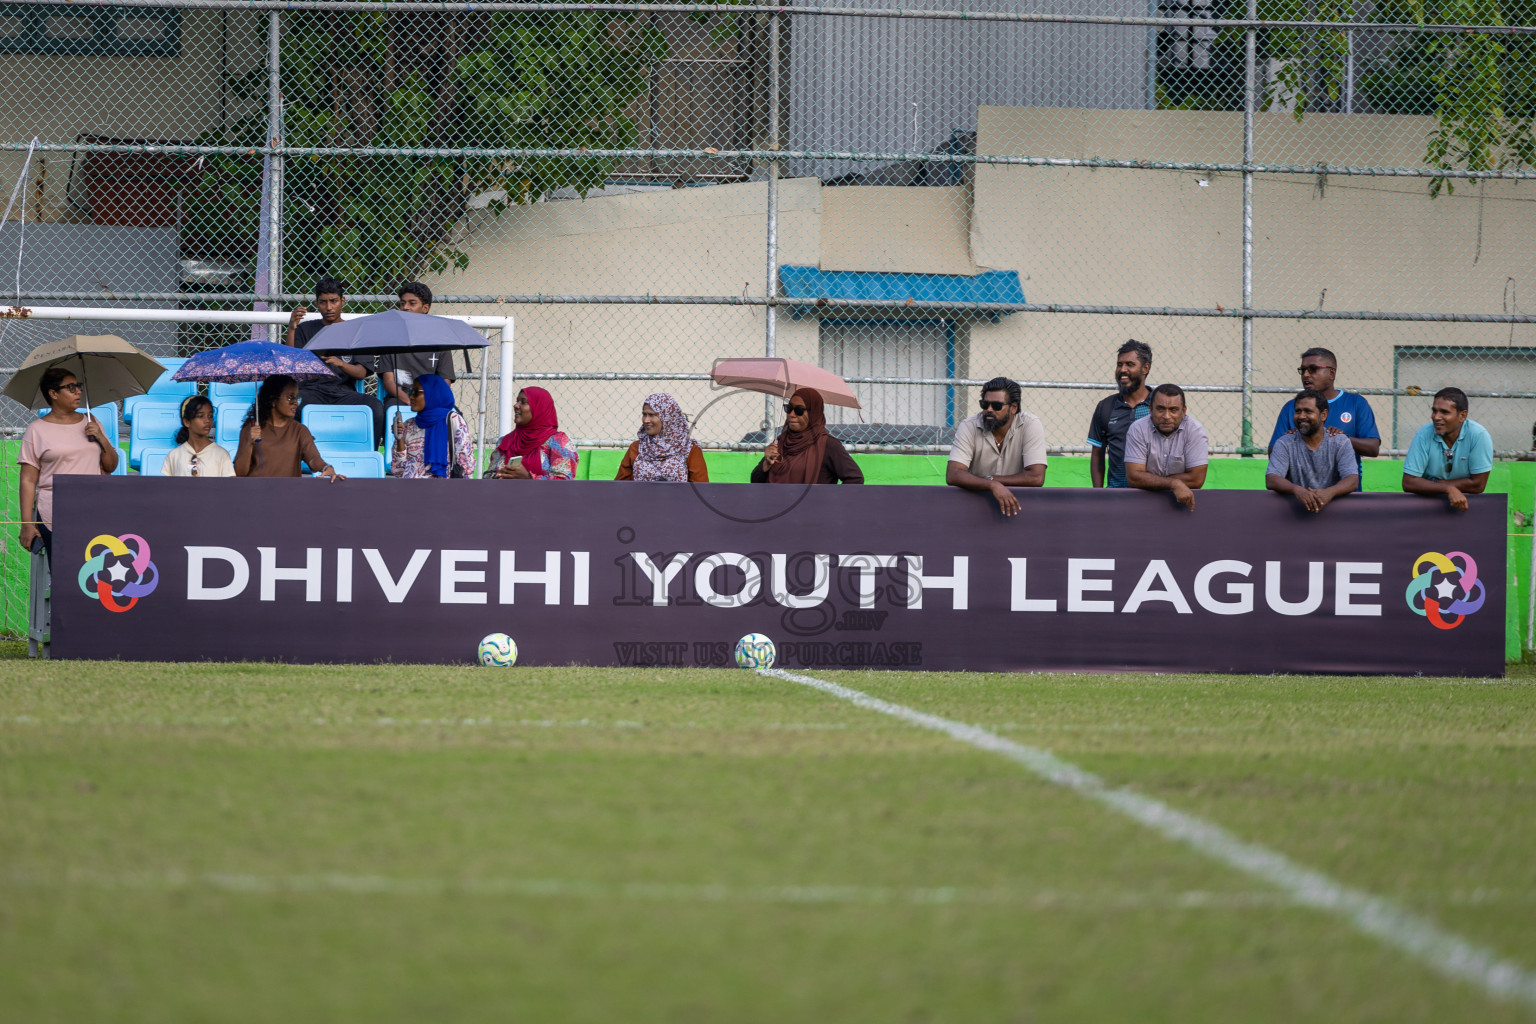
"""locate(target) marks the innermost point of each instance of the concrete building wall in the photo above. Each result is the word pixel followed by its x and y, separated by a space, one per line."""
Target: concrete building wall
pixel 1174 239
pixel 698 241
pixel 1125 237
pixel 896 230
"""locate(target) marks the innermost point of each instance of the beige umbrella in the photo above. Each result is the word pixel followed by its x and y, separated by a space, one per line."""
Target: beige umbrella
pixel 108 368
pixel 783 377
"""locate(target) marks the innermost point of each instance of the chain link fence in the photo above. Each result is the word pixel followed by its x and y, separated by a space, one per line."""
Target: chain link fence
pixel 919 200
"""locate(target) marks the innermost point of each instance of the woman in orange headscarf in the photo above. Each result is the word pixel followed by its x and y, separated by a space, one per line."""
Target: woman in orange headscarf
pixel 804 452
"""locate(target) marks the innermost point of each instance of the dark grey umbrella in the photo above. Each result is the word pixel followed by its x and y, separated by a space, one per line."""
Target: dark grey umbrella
pixel 395 331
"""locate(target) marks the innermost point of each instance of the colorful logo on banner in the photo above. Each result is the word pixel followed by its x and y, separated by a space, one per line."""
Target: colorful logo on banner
pixel 1448 600
pixel 117 571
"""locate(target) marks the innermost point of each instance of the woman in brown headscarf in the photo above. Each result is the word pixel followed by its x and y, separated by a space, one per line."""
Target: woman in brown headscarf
pixel 804 452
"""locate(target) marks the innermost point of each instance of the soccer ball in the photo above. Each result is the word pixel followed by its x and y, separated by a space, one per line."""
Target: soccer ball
pixel 755 651
pixel 498 649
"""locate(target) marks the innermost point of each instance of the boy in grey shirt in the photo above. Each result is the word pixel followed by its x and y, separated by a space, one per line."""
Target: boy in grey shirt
pixel 1311 463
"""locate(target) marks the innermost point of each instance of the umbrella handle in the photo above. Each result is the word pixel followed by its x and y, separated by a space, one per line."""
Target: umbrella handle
pixel 85 396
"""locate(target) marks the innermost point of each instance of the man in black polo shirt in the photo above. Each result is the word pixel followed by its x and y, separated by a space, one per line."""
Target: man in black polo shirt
pixel 341 389
pixel 1114 415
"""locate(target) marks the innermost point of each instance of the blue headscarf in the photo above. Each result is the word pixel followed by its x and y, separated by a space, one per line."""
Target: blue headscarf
pixel 437 446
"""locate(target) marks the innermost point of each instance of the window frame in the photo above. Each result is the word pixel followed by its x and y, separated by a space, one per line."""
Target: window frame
pixel 951 346
pixel 103 42
pixel 1467 352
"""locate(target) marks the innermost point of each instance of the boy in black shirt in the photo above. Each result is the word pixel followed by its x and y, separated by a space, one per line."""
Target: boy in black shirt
pixel 330 297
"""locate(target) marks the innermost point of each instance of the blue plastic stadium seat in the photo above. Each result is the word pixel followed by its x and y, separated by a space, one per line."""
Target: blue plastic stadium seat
pixel 246 392
pixel 340 427
pixel 154 424
pixel 152 459
pixel 122 464
pixel 162 389
pixel 106 412
pixel 228 415
pixel 394 412
pixel 358 465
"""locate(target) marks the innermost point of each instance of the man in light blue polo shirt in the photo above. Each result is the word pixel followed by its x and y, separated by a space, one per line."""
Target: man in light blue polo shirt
pixel 1450 455
pixel 1348 413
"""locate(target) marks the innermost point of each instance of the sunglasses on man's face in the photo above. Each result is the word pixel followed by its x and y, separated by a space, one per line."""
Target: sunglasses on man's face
pixel 798 410
pixel 993 406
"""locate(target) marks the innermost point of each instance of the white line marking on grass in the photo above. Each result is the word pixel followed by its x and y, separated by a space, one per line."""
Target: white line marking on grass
pixel 663 892
pixel 1445 952
pixel 714 892
pixel 193 721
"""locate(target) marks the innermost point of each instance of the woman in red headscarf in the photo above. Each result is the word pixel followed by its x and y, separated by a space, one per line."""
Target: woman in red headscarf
pixel 536 449
pixel 805 453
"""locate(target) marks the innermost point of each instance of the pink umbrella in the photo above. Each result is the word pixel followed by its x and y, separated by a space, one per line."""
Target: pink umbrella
pixel 783 377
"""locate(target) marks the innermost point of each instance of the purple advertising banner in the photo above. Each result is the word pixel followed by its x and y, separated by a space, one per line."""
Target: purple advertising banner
pixel 839 577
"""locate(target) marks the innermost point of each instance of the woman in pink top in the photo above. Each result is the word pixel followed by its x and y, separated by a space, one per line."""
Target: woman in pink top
pixel 63 442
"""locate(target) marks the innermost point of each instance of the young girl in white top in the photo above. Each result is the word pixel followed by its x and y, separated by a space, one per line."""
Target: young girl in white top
pixel 195 453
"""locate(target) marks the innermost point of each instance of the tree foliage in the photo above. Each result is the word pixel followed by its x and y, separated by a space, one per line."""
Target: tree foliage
pixel 1480 88
pixel 557 80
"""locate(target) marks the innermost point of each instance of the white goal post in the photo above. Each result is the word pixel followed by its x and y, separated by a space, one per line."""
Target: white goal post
pixel 486 325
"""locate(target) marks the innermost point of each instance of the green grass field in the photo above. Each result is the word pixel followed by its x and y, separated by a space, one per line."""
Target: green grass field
pixel 267 843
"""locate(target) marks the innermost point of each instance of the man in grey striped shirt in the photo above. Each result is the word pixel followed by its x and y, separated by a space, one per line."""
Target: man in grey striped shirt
pixel 1167 450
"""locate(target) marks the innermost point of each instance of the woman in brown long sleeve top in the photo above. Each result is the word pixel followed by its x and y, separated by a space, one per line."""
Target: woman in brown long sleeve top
pixel 664 450
pixel 804 452
pixel 272 441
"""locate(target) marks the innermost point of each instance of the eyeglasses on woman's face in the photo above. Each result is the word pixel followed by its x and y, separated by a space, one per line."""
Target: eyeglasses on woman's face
pixel 798 410
pixel 289 398
pixel 73 385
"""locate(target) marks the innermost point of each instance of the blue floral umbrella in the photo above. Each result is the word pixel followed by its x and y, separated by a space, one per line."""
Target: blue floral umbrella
pixel 251 361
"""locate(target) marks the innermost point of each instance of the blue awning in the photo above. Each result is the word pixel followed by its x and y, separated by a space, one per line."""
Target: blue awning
pixel 812 283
